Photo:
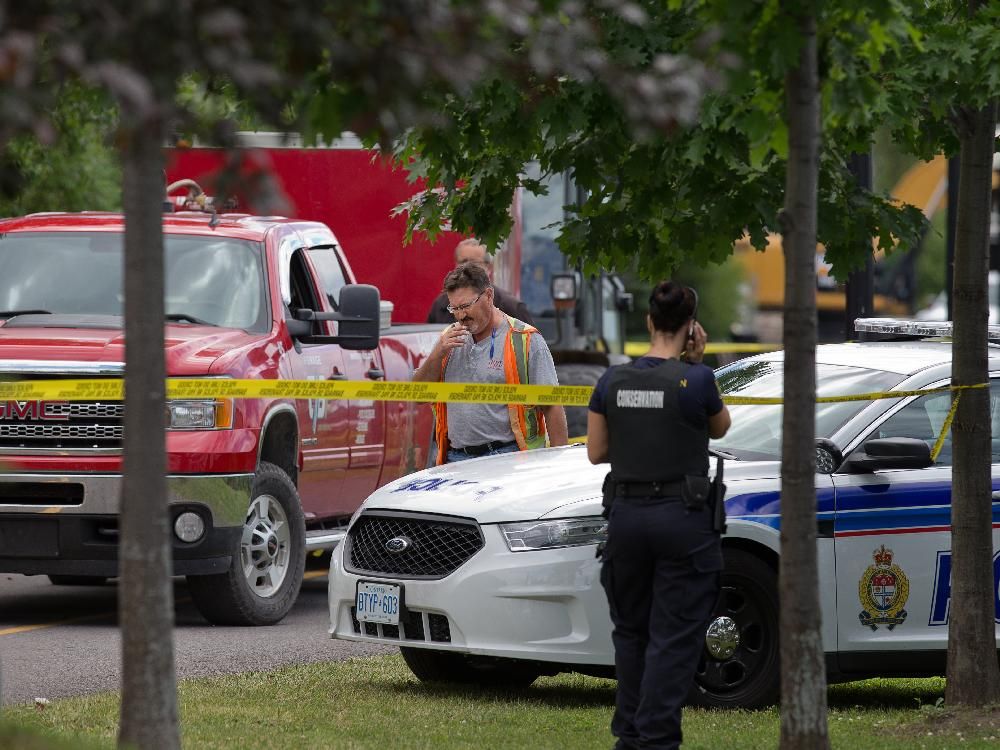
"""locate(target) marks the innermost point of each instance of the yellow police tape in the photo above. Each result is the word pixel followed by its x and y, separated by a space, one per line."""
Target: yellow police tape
pixel 939 443
pixel 207 388
pixel 638 348
pixel 873 396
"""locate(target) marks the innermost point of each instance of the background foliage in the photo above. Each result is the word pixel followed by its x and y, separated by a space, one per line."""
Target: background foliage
pixel 78 170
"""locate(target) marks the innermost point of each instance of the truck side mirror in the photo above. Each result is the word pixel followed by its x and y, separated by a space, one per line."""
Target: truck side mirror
pixel 360 315
pixel 358 319
pixel 563 289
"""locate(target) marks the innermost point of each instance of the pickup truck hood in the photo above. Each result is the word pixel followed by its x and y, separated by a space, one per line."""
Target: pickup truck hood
pixel 555 482
pixel 190 349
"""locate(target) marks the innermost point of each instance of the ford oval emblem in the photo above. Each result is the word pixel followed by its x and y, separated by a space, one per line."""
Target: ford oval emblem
pixel 397 544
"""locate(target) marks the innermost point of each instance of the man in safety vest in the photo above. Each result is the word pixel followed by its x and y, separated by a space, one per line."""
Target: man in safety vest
pixel 484 345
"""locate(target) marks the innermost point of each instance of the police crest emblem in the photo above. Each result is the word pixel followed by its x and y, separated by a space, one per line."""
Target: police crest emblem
pixel 883 590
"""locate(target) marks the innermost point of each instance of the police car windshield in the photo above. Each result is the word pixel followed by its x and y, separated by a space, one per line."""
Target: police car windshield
pixel 756 430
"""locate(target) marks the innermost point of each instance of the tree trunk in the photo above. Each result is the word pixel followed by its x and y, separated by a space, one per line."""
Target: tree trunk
pixel 145 593
pixel 973 676
pixel 803 670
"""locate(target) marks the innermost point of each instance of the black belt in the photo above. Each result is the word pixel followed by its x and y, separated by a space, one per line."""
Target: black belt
pixel 482 450
pixel 649 489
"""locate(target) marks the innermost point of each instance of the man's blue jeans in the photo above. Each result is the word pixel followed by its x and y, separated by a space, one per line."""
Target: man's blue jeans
pixel 460 455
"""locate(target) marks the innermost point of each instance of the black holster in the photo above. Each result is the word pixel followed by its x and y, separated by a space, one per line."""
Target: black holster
pixel 608 491
pixel 695 492
pixel 718 498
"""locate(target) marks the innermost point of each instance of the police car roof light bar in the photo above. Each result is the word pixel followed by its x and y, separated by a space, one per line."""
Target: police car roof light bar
pixel 915 328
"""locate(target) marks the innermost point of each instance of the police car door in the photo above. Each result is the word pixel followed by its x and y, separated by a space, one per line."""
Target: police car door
pixel 893 545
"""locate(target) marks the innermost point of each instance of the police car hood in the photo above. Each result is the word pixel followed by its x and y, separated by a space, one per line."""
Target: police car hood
pixel 556 482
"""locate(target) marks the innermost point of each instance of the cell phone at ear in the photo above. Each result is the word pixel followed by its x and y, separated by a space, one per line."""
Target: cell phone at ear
pixel 694 313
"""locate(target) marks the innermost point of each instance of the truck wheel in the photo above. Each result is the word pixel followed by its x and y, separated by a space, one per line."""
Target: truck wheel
pixel 746 674
pixel 578 374
pixel 263 581
pixel 447 666
pixel 66 580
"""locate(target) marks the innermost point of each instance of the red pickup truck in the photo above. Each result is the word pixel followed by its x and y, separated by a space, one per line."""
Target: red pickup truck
pixel 253 483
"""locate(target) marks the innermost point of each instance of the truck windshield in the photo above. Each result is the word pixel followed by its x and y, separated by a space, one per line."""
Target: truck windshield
pixel 541 217
pixel 756 430
pixel 212 280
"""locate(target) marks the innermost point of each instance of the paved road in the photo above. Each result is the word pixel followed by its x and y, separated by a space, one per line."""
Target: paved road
pixel 58 641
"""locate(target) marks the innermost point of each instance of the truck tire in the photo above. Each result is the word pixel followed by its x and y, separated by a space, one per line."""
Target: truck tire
pixel 750 677
pixel 263 581
pixel 578 374
pixel 68 580
pixel 446 666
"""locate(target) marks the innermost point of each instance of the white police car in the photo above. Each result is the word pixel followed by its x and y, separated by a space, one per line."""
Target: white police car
pixel 484 571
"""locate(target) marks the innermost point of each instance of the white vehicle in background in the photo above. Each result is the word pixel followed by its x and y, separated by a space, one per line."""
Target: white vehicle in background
pixel 938 308
pixel 485 571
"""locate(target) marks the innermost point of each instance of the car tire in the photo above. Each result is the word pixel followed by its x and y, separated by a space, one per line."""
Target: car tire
pixel 578 374
pixel 264 578
pixel 750 677
pixel 429 665
pixel 68 580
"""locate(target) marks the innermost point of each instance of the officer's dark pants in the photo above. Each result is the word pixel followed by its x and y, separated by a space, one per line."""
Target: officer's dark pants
pixel 661 572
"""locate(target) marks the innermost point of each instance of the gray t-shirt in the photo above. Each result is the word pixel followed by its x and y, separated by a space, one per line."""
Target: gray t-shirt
pixel 482 362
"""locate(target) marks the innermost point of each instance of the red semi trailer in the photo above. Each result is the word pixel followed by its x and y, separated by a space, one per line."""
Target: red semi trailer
pixel 353 191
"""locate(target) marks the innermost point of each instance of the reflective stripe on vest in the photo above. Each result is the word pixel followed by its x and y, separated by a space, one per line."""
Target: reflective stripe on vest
pixel 526 422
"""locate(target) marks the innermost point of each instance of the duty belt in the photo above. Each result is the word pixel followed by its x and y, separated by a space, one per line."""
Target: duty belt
pixel 649 489
pixel 482 450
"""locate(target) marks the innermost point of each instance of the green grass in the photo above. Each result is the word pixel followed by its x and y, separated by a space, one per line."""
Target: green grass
pixel 376 703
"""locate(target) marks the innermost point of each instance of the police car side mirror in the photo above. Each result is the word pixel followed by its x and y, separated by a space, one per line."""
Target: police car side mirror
pixel 891 453
pixel 828 456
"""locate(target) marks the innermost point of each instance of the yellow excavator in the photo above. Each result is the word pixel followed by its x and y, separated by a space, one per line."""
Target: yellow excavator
pixel 925 185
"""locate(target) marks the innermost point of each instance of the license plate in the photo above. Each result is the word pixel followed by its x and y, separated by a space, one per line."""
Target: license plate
pixel 378 602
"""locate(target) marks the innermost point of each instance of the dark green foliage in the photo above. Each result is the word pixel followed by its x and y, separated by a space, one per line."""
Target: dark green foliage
pixel 672 196
pixel 78 171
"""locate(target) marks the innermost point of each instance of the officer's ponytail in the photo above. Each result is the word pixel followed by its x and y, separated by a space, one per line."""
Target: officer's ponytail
pixel 671 305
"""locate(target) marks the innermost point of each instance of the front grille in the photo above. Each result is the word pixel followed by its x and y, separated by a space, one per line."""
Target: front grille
pixel 81 425
pixel 435 548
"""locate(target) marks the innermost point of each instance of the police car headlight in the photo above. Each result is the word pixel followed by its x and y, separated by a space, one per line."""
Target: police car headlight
pixel 201 414
pixel 564 532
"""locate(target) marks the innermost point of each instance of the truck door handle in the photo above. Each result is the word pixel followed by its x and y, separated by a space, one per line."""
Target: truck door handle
pixel 375 374
pixel 337 375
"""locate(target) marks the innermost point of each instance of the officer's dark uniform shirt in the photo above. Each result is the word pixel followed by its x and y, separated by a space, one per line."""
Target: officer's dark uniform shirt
pixel 695 398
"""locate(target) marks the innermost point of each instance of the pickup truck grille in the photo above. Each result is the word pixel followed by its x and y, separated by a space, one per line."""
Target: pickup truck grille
pixel 434 547
pixel 61 425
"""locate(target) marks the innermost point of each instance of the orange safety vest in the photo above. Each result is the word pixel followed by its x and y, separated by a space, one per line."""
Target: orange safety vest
pixel 526 422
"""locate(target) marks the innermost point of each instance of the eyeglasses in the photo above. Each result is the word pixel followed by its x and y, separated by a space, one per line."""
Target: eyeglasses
pixel 462 308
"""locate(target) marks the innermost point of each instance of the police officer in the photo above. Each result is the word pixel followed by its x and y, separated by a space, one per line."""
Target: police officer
pixel 662 562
